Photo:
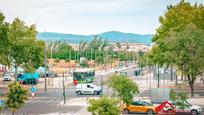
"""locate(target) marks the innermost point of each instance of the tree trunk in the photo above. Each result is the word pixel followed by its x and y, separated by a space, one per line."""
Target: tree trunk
pixel 192 89
pixel 16 70
pixel 158 77
pixel 141 71
pixel 171 74
pixel 191 83
pixel 176 80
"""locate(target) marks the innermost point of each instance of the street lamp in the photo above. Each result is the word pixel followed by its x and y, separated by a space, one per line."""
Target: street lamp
pixel 64 96
pixel 45 64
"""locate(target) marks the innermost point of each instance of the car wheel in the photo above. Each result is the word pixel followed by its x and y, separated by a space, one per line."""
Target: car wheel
pixel 126 111
pixel 194 112
pixel 150 112
pixel 79 93
pixel 95 93
pixel 100 93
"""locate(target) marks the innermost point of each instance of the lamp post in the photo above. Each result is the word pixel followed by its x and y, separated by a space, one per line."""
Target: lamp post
pixel 158 76
pixel 64 96
pixel 101 85
pixel 45 65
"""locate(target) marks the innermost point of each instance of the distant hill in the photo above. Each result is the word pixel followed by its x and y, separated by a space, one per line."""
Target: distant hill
pixel 111 36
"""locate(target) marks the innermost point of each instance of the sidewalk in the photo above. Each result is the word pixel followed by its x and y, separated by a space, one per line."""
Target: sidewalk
pixel 83 111
pixel 79 102
pixel 197 101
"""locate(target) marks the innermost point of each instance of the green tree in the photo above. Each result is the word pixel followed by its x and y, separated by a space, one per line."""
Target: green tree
pixel 63 51
pixel 142 62
pixel 178 98
pixel 25 47
pixel 103 106
pixel 16 97
pixel 177 17
pixel 5 41
pixel 123 87
pixel 187 52
pixel 172 95
pixel 174 24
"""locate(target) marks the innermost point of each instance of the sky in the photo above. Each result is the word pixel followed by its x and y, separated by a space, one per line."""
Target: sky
pixel 89 16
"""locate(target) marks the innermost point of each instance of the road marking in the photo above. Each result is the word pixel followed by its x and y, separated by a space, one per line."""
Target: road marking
pixel 29 101
pixel 36 101
pixel 57 101
pixel 42 101
pixel 49 101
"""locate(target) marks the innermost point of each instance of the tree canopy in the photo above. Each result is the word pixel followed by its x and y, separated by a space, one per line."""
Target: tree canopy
pixel 179 39
pixel 5 41
pixel 124 88
pixel 16 96
pixel 103 106
pixel 25 47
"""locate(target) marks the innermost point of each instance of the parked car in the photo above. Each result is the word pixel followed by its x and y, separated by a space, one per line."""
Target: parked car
pixel 88 89
pixel 139 107
pixel 191 109
pixel 7 77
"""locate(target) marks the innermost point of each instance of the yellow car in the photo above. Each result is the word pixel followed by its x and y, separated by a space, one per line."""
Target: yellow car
pixel 139 107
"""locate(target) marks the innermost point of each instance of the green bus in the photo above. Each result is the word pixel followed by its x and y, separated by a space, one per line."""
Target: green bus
pixel 85 75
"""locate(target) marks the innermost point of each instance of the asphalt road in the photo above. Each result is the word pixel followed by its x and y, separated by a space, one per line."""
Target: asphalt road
pixel 50 102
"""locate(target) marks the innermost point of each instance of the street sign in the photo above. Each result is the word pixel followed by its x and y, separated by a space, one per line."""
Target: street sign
pixel 33 90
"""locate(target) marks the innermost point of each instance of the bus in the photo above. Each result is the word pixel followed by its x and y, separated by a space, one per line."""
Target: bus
pixel 85 75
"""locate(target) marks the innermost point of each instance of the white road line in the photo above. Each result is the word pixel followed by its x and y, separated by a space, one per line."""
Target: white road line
pixel 42 101
pixel 29 101
pixel 57 101
pixel 36 101
pixel 49 101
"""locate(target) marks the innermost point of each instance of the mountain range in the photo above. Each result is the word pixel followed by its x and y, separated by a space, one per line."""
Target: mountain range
pixel 111 36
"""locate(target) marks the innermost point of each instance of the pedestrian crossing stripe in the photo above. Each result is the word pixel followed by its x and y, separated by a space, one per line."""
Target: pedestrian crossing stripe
pixel 42 101
pixel 35 101
pixel 49 101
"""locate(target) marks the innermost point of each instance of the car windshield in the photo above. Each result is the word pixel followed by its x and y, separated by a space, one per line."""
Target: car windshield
pixel 187 103
pixel 6 75
pixel 142 103
pixel 146 103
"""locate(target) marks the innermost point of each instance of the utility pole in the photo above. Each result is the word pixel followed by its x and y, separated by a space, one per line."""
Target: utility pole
pixel 158 76
pixel 95 59
pixel 70 54
pixel 45 65
pixel 118 58
pixel 64 96
pixel 101 85
pixel 91 54
pixel 51 53
pixel 150 82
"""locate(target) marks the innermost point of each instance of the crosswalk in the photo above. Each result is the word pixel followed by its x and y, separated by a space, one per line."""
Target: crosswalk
pixel 45 101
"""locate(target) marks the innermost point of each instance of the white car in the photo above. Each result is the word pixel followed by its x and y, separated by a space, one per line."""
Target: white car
pixel 193 109
pixel 7 77
pixel 88 89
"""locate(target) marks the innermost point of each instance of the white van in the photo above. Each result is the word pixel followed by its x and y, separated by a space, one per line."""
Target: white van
pixel 88 89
